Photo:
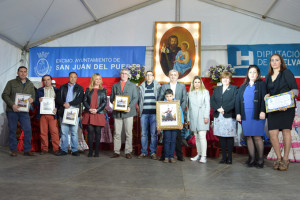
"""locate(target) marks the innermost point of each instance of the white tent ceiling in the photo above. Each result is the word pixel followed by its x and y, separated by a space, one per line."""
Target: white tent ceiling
pixel 30 23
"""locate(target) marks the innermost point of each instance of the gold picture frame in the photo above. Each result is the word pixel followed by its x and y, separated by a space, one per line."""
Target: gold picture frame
pixel 280 101
pixel 121 103
pixel 168 115
pixel 183 55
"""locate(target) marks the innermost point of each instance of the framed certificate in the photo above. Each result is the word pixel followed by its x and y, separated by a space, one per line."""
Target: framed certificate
pixel 47 106
pixel 283 100
pixel 121 103
pixel 21 100
pixel 168 115
pixel 70 116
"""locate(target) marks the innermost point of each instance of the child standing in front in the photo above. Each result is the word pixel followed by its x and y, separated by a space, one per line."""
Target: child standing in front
pixel 170 135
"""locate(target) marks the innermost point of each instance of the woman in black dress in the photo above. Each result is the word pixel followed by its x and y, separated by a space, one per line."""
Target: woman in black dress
pixel 280 80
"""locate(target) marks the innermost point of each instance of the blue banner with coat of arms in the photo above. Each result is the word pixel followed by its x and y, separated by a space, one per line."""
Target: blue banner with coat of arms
pixel 85 61
pixel 241 56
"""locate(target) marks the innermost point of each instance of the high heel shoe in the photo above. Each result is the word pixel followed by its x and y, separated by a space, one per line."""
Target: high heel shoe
pixel 284 165
pixel 276 164
pixel 261 165
pixel 251 164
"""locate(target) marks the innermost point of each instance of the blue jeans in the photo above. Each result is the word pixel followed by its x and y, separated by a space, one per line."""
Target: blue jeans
pixel 24 119
pixel 170 142
pixel 65 128
pixel 148 120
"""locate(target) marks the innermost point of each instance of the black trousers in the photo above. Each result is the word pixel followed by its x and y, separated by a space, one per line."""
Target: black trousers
pixel 178 148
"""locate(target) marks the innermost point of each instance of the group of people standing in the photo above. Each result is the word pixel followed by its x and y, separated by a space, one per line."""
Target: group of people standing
pixel 247 105
pixel 230 105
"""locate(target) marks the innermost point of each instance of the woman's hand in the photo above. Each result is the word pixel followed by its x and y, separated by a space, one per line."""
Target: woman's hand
pixel 266 96
pixel 262 115
pixel 220 110
pixel 205 120
pixel 238 118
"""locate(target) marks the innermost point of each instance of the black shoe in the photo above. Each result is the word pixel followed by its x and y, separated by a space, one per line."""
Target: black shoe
pixel 62 153
pixel 260 165
pixel 229 162
pixel 115 155
pixel 90 154
pixel 161 158
pixel 251 164
pixel 222 161
pixel 181 159
pixel 76 153
pixel 96 155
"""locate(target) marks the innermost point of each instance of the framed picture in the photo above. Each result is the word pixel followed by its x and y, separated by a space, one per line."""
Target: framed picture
pixel 47 106
pixel 21 100
pixel 168 115
pixel 70 116
pixel 121 103
pixel 276 102
pixel 177 45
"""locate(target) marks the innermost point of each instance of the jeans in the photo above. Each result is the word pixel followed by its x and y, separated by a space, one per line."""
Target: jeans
pixel 65 128
pixel 170 142
pixel 148 121
pixel 201 142
pixel 24 119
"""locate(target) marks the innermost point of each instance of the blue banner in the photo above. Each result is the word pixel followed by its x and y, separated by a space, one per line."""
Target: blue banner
pixel 85 61
pixel 241 56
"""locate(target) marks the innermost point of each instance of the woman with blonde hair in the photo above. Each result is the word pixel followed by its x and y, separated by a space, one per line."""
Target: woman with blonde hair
pixel 198 116
pixel 94 102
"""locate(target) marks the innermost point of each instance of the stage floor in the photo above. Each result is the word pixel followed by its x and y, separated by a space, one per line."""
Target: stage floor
pixel 68 177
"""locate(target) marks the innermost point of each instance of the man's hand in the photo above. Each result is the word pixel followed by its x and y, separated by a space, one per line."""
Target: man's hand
pixel 181 126
pixel 66 105
pixel 128 110
pixel 54 111
pixel 15 108
pixel 40 99
pixel 30 100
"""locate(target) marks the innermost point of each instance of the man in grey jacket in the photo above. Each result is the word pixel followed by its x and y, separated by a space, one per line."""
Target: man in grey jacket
pixel 148 95
pixel 21 84
pixel 180 93
pixel 124 118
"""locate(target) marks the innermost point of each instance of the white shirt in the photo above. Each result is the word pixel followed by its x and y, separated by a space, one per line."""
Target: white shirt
pixel 173 88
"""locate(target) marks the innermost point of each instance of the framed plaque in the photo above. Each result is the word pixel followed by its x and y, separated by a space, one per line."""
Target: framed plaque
pixel 70 116
pixel 121 103
pixel 47 106
pixel 22 102
pixel 168 115
pixel 283 100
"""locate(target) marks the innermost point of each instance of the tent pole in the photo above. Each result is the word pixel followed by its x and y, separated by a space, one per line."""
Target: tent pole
pixel 177 11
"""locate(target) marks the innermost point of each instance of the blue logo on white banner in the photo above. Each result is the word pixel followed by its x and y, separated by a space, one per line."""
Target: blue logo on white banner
pixel 241 56
pixel 85 61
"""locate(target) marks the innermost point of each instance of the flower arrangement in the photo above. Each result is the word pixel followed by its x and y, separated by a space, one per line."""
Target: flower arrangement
pixel 137 73
pixel 214 72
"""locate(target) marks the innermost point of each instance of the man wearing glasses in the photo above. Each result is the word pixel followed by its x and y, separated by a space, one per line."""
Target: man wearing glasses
pixel 124 118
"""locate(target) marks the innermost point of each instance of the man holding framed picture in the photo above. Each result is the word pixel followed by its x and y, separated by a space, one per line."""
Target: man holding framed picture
pixel 70 95
pixel 180 93
pixel 124 118
pixel 47 121
pixel 21 84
